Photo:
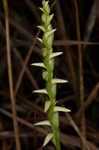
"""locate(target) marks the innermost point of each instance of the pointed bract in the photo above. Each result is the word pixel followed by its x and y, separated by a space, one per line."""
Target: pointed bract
pixel 47 105
pixel 41 28
pixel 46 4
pixel 48 138
pixel 50 18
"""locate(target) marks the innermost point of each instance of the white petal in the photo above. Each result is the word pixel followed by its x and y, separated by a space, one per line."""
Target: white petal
pixel 61 109
pixel 40 64
pixel 59 81
pixel 39 39
pixel 41 123
pixel 55 54
pixel 48 139
pixel 42 91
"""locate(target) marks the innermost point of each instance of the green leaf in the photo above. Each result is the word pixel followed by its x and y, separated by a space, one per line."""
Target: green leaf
pixel 41 123
pixel 40 64
pixel 61 109
pixel 59 81
pixel 47 105
pixel 42 91
pixel 48 139
pixel 55 54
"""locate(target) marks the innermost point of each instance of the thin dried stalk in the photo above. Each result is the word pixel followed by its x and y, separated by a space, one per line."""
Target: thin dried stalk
pixel 81 83
pixel 12 97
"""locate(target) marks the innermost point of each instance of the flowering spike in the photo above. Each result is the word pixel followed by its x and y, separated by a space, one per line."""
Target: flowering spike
pixel 47 74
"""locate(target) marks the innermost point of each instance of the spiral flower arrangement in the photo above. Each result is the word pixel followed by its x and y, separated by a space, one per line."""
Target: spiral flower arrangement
pixel 47 65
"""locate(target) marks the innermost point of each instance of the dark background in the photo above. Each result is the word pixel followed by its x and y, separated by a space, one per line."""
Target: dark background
pixel 24 16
